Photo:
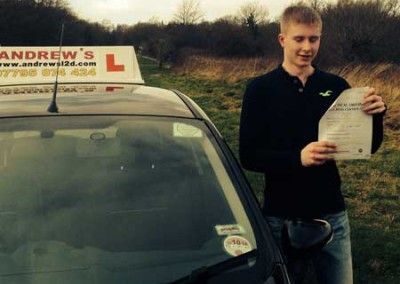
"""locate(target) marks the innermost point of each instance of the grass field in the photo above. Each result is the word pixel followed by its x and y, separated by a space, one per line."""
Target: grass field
pixel 371 188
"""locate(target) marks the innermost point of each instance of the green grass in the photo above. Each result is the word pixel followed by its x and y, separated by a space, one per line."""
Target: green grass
pixel 371 188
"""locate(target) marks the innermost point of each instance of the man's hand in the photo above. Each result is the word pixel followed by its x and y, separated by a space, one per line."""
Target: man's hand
pixel 373 103
pixel 317 153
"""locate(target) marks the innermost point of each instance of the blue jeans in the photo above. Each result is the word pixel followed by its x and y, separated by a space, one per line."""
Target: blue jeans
pixel 332 263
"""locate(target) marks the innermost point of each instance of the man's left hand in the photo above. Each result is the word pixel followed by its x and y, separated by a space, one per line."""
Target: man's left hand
pixel 373 103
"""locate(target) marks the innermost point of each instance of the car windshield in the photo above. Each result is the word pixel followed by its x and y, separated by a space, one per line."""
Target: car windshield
pixel 114 199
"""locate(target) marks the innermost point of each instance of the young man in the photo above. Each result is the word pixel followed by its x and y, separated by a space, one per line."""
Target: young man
pixel 279 137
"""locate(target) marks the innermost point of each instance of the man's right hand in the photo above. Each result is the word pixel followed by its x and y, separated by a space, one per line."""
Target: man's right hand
pixel 317 153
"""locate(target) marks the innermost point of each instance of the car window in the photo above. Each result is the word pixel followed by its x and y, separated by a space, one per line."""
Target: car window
pixel 109 199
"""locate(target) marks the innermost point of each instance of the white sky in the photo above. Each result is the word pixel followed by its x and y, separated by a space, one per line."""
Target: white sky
pixel 133 11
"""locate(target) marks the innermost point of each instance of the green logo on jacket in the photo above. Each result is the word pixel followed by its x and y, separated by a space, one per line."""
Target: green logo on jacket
pixel 326 94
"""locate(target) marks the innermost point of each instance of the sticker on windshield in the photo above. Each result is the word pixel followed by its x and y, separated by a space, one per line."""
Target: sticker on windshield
pixel 236 245
pixel 232 229
pixel 186 130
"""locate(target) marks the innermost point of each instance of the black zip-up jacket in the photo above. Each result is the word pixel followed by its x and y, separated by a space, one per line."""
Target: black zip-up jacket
pixel 279 118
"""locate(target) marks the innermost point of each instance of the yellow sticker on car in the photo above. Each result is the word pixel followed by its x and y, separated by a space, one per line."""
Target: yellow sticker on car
pixel 231 229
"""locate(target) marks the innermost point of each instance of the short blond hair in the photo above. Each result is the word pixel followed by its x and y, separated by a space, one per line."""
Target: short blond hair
pixel 300 14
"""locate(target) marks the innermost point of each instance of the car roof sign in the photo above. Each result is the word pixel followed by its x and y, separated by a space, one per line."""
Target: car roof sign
pixel 95 64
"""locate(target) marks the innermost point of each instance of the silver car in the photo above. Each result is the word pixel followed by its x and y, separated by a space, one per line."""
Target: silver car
pixel 124 184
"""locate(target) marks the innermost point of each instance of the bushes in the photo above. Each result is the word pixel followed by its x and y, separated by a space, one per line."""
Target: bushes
pixel 358 31
pixel 355 31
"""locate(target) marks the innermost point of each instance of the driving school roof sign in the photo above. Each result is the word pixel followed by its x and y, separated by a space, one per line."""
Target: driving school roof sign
pixel 94 64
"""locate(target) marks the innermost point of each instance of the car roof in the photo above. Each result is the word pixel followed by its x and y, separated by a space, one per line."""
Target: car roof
pixel 80 99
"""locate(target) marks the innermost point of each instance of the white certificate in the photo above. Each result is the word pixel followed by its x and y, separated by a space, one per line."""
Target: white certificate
pixel 346 124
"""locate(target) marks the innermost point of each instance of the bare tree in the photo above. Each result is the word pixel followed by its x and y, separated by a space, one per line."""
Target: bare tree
pixel 252 14
pixel 53 3
pixel 253 9
pixel 318 5
pixel 392 6
pixel 188 12
pixel 108 25
pixel 154 20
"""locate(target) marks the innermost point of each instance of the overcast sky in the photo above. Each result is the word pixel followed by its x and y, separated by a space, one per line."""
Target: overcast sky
pixel 133 11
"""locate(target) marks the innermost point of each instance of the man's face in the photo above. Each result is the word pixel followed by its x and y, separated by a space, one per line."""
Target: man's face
pixel 300 43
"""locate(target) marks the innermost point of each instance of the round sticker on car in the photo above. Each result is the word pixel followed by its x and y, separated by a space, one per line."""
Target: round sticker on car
pixel 236 245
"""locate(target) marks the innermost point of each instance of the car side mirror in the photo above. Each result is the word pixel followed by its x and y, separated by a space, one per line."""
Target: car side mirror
pixel 305 235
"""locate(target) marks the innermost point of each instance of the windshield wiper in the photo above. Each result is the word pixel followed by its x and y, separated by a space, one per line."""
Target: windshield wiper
pixel 206 272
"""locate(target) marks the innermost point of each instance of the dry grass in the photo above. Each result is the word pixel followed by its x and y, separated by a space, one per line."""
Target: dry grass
pixel 226 69
pixel 383 77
